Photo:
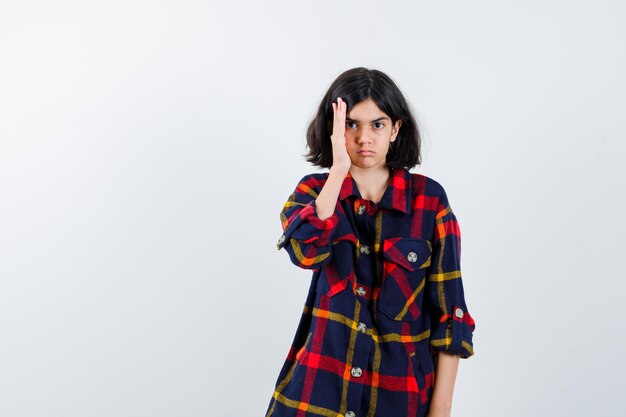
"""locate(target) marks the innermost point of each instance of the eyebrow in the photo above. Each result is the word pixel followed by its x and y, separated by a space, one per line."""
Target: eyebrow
pixel 373 121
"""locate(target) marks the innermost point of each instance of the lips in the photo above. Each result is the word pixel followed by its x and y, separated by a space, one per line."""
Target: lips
pixel 366 152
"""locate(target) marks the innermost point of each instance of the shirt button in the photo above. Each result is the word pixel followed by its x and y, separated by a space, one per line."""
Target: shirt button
pixel 361 291
pixel 365 249
pixel 459 313
pixel 356 372
pixel 360 211
pixel 362 327
pixel 412 256
pixel 350 413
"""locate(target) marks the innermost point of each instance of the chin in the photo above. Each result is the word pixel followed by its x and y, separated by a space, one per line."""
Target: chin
pixel 367 164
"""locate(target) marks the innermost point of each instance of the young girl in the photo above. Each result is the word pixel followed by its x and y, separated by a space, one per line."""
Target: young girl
pixel 385 312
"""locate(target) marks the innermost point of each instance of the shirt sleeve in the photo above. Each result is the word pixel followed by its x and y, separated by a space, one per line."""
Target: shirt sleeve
pixel 306 237
pixel 452 325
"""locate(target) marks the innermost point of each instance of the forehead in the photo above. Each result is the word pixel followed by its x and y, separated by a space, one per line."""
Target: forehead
pixel 365 110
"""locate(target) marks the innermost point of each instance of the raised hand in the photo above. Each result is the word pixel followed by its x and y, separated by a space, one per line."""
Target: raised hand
pixel 341 158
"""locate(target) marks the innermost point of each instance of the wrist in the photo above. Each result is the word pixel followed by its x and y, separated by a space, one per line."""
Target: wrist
pixel 440 406
pixel 341 170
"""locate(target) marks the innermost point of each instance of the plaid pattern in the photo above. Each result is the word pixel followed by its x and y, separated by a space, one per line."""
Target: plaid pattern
pixel 386 295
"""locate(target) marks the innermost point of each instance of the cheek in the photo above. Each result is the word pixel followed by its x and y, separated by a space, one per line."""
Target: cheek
pixel 350 147
pixel 350 141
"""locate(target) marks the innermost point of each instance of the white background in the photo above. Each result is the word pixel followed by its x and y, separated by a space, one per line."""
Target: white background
pixel 147 148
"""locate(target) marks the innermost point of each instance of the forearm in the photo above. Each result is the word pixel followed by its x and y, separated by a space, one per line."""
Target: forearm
pixel 327 199
pixel 445 376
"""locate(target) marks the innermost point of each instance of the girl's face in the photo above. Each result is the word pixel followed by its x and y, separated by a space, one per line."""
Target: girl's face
pixel 368 133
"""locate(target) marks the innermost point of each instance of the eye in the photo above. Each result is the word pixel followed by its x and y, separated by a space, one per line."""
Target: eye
pixel 349 123
pixel 381 125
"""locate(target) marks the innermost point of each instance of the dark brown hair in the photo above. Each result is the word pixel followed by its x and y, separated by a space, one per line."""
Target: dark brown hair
pixel 354 86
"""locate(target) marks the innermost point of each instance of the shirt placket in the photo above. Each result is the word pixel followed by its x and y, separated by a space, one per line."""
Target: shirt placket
pixel 364 218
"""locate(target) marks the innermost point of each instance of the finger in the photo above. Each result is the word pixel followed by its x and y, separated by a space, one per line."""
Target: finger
pixel 335 111
pixel 342 114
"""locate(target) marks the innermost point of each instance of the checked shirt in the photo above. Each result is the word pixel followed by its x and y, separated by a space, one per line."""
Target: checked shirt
pixel 386 296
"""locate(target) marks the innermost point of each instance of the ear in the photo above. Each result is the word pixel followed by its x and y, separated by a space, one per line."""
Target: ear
pixel 396 129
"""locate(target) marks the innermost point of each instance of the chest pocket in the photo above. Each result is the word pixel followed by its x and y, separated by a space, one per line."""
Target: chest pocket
pixel 405 262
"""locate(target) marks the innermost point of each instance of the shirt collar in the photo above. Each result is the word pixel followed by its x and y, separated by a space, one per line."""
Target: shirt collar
pixel 397 195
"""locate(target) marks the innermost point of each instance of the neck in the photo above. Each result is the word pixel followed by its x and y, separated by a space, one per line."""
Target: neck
pixel 371 182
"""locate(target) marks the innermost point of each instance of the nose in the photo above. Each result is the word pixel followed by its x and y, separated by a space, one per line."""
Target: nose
pixel 363 136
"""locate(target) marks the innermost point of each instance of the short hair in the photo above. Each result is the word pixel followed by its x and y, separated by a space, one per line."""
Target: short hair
pixel 354 86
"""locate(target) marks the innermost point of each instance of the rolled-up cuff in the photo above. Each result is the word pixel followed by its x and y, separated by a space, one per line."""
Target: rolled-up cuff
pixel 453 333
pixel 309 228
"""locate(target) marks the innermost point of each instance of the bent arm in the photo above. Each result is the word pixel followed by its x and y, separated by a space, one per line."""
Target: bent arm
pixel 309 220
pixel 327 199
